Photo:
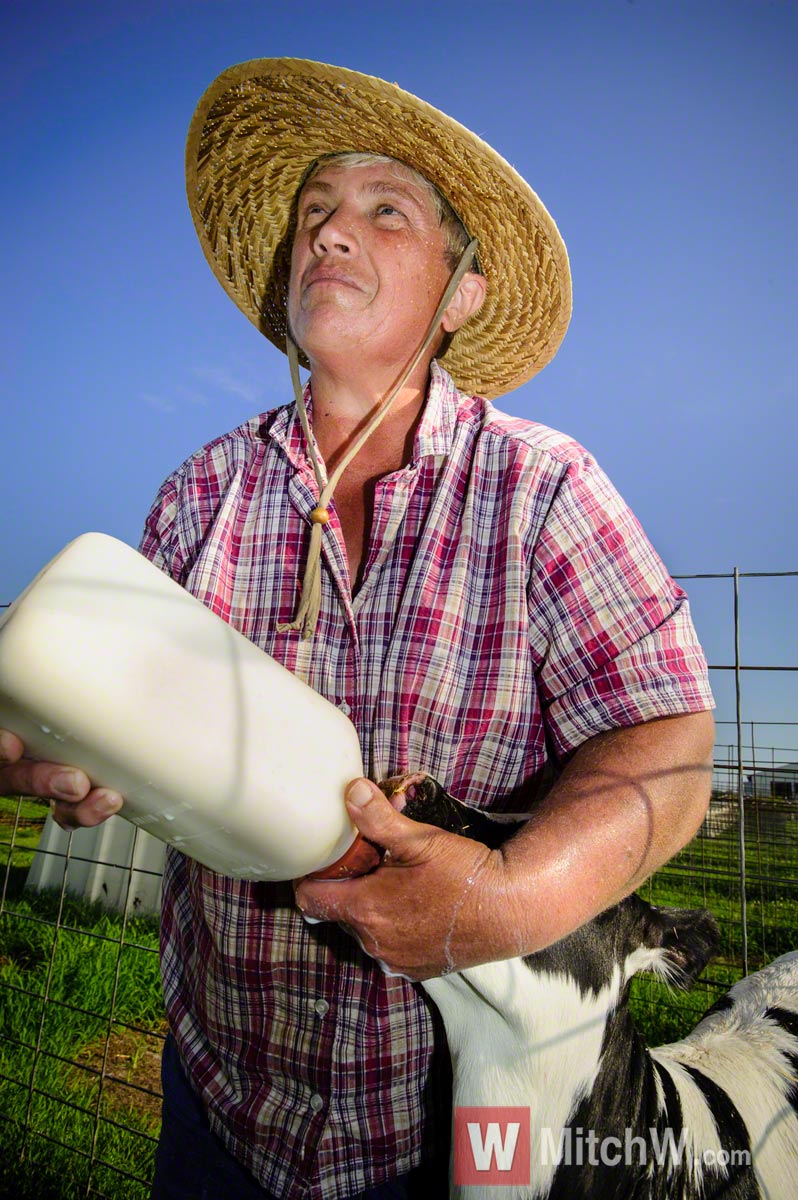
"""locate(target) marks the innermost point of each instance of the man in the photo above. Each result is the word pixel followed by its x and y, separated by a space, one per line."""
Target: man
pixel 475 595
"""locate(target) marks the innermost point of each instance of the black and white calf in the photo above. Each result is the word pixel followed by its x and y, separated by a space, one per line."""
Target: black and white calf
pixel 715 1115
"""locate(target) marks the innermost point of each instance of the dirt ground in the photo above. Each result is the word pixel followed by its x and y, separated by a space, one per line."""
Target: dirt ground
pixel 133 1063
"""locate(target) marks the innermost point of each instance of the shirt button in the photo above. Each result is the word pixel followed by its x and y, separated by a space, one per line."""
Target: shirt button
pixel 322 1007
pixel 316 1102
pixel 344 708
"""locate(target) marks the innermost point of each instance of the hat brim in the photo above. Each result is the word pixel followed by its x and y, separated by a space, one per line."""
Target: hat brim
pixel 259 127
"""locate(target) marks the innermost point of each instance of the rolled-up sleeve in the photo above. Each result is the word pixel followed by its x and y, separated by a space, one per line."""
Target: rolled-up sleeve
pixel 159 541
pixel 611 632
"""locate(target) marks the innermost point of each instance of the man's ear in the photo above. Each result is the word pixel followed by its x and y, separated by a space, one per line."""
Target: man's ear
pixel 466 301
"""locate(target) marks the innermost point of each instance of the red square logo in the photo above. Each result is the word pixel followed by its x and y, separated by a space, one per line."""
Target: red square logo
pixel 491 1146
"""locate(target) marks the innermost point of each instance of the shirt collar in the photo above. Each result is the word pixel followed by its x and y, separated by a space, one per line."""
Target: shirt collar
pixel 286 431
pixel 435 433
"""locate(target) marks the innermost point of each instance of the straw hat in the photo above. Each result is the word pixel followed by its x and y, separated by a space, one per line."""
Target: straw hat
pixel 261 124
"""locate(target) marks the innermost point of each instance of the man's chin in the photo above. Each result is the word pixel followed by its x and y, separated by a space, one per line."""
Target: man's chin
pixel 330 330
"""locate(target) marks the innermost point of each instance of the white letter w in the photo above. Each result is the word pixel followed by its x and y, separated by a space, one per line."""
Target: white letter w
pixel 485 1151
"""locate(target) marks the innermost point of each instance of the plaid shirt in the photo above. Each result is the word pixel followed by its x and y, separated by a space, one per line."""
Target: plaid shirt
pixel 510 608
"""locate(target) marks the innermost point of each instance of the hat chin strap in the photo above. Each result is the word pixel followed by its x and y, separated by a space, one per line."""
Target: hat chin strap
pixel 307 613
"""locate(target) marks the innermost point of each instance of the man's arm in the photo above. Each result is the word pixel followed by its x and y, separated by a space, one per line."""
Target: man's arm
pixel 626 802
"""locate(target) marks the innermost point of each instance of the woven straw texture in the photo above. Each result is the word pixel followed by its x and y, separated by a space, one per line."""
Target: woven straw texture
pixel 259 127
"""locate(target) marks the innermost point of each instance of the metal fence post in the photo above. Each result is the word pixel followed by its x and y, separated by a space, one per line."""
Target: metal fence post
pixel 740 782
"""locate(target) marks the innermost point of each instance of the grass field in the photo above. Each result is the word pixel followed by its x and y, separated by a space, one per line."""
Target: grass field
pixel 706 875
pixel 66 1129
pixel 88 963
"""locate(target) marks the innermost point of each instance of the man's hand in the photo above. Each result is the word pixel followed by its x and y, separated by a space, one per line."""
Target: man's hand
pixel 419 913
pixel 624 804
pixel 73 801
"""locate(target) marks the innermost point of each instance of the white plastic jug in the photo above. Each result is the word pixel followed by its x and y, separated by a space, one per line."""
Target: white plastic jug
pixel 108 665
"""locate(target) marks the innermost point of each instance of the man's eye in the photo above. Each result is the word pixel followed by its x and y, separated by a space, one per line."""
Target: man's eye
pixel 388 210
pixel 312 210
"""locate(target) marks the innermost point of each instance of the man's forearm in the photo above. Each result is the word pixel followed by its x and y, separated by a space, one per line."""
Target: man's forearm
pixel 626 802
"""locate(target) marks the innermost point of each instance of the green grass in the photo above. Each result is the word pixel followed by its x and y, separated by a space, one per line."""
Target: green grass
pixel 51 1055
pixel 706 875
pixel 77 964
pixel 21 821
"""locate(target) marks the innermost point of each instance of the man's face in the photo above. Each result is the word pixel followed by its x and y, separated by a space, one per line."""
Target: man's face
pixel 367 266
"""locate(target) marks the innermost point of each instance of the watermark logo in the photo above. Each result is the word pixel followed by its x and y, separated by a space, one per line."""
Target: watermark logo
pixel 583 1147
pixel 491 1146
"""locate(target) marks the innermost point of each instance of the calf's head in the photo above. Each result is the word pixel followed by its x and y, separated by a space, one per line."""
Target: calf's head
pixel 673 943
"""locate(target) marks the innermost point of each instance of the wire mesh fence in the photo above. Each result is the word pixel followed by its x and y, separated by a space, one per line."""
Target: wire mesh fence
pixel 82 1030
pixel 743 863
pixel 81 1020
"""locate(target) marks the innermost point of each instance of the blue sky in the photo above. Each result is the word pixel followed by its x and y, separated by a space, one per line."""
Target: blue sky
pixel 662 137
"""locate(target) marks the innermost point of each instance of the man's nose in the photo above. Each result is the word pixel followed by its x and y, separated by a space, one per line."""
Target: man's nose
pixel 337 234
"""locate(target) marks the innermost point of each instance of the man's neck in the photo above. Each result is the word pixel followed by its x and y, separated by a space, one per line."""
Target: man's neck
pixel 341 411
pixel 343 407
